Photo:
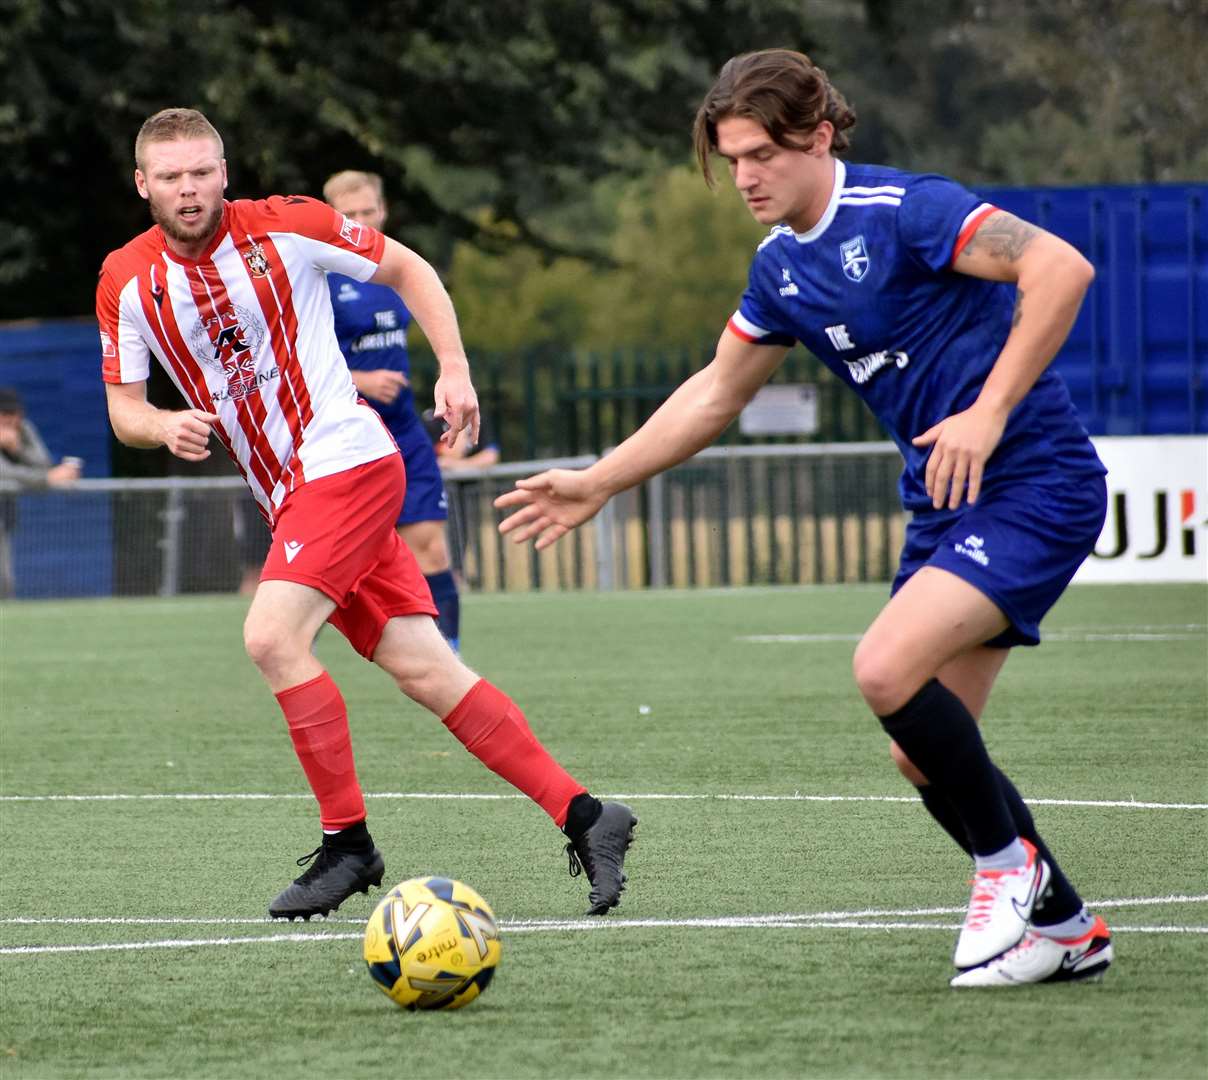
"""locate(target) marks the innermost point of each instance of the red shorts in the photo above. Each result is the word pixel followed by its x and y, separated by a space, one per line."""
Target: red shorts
pixel 336 534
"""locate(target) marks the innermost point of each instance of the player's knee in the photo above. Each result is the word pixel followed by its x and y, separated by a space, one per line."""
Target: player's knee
pixel 878 678
pixel 258 644
pixel 416 682
pixel 410 664
pixel 437 682
pixel 421 663
pixel 905 766
pixel 432 563
pixel 429 549
pixel 267 648
pixel 422 679
pixel 437 551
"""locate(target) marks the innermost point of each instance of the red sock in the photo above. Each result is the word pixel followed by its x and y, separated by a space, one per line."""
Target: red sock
pixel 491 726
pixel 318 724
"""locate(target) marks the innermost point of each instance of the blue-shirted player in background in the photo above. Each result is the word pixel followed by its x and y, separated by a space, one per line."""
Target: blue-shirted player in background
pixel 371 324
pixel 943 314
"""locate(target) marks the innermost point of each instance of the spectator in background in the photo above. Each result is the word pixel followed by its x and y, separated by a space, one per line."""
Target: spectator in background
pixel 24 465
pixel 371 324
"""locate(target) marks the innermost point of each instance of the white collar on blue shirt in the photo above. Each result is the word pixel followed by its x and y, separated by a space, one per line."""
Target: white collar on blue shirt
pixel 828 214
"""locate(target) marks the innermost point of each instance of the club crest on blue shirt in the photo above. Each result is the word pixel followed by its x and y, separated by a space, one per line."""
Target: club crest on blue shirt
pixel 855 258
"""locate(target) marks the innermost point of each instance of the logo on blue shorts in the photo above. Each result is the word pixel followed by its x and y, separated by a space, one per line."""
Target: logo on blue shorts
pixel 973 547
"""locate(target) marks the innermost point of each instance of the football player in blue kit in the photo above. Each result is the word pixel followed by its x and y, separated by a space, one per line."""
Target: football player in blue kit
pixel 371 324
pixel 943 313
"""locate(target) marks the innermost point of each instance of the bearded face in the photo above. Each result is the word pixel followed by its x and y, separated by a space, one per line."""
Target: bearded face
pixel 183 181
pixel 190 223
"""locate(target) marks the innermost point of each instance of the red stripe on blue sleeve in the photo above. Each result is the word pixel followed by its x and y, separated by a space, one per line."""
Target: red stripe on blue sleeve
pixel 737 331
pixel 970 227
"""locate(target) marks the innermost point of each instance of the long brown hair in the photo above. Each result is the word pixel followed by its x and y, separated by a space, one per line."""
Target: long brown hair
pixel 783 91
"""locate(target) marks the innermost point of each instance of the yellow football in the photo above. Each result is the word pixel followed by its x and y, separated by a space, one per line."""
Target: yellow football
pixel 432 943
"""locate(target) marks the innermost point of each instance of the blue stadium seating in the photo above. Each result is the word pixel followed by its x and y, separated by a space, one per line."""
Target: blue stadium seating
pixel 1137 360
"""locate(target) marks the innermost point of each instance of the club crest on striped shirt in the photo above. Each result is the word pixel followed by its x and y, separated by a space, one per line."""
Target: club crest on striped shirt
pixel 257 261
pixel 855 258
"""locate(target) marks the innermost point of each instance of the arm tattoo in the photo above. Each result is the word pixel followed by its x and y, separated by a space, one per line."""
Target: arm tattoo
pixel 1017 314
pixel 1002 236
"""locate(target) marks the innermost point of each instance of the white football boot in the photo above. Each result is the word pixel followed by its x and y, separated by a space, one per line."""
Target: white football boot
pixel 999 909
pixel 1041 959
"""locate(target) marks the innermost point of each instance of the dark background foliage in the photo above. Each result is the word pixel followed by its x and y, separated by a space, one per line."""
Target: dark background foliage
pixel 492 123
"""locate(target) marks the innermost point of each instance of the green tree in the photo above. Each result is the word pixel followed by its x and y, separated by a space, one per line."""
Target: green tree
pixel 684 250
pixel 677 271
pixel 514 106
pixel 1121 87
pixel 500 124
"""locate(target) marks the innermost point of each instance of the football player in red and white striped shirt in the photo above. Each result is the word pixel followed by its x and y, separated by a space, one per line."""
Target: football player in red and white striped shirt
pixel 231 298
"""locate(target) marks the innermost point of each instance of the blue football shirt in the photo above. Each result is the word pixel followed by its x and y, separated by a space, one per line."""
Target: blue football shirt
pixel 371 325
pixel 870 291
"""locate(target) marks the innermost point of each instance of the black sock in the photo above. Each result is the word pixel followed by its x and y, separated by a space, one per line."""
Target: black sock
pixel 354 838
pixel 1060 901
pixel 581 815
pixel 940 736
pixel 940 807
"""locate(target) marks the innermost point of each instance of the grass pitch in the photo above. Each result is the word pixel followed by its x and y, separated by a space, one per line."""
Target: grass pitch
pixel 790 912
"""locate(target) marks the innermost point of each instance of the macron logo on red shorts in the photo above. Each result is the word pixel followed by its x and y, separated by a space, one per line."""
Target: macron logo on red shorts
pixel 292 547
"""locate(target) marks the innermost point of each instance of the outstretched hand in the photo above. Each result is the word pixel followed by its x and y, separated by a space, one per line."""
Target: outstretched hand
pixel 961 445
pixel 549 505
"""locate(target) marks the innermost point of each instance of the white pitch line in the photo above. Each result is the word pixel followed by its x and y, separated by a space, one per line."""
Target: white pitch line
pixel 242 796
pixel 1144 901
pixel 1201 627
pixel 81 920
pixel 220 796
pixel 537 924
pixel 1120 637
pixel 179 943
pixel 1057 635
pixel 796 639
pixel 762 923
pixel 873 913
pixel 736 923
pixel 1127 804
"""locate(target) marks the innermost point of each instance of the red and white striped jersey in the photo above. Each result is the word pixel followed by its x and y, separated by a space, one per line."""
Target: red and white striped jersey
pixel 246 332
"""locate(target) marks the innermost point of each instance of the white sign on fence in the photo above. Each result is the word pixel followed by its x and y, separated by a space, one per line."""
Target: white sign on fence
pixel 781 410
pixel 1157 510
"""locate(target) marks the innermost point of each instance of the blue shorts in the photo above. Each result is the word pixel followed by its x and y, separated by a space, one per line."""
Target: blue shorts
pixel 425 499
pixel 1019 544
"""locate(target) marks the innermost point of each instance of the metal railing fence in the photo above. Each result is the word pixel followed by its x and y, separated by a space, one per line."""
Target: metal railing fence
pixel 560 401
pixel 731 515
